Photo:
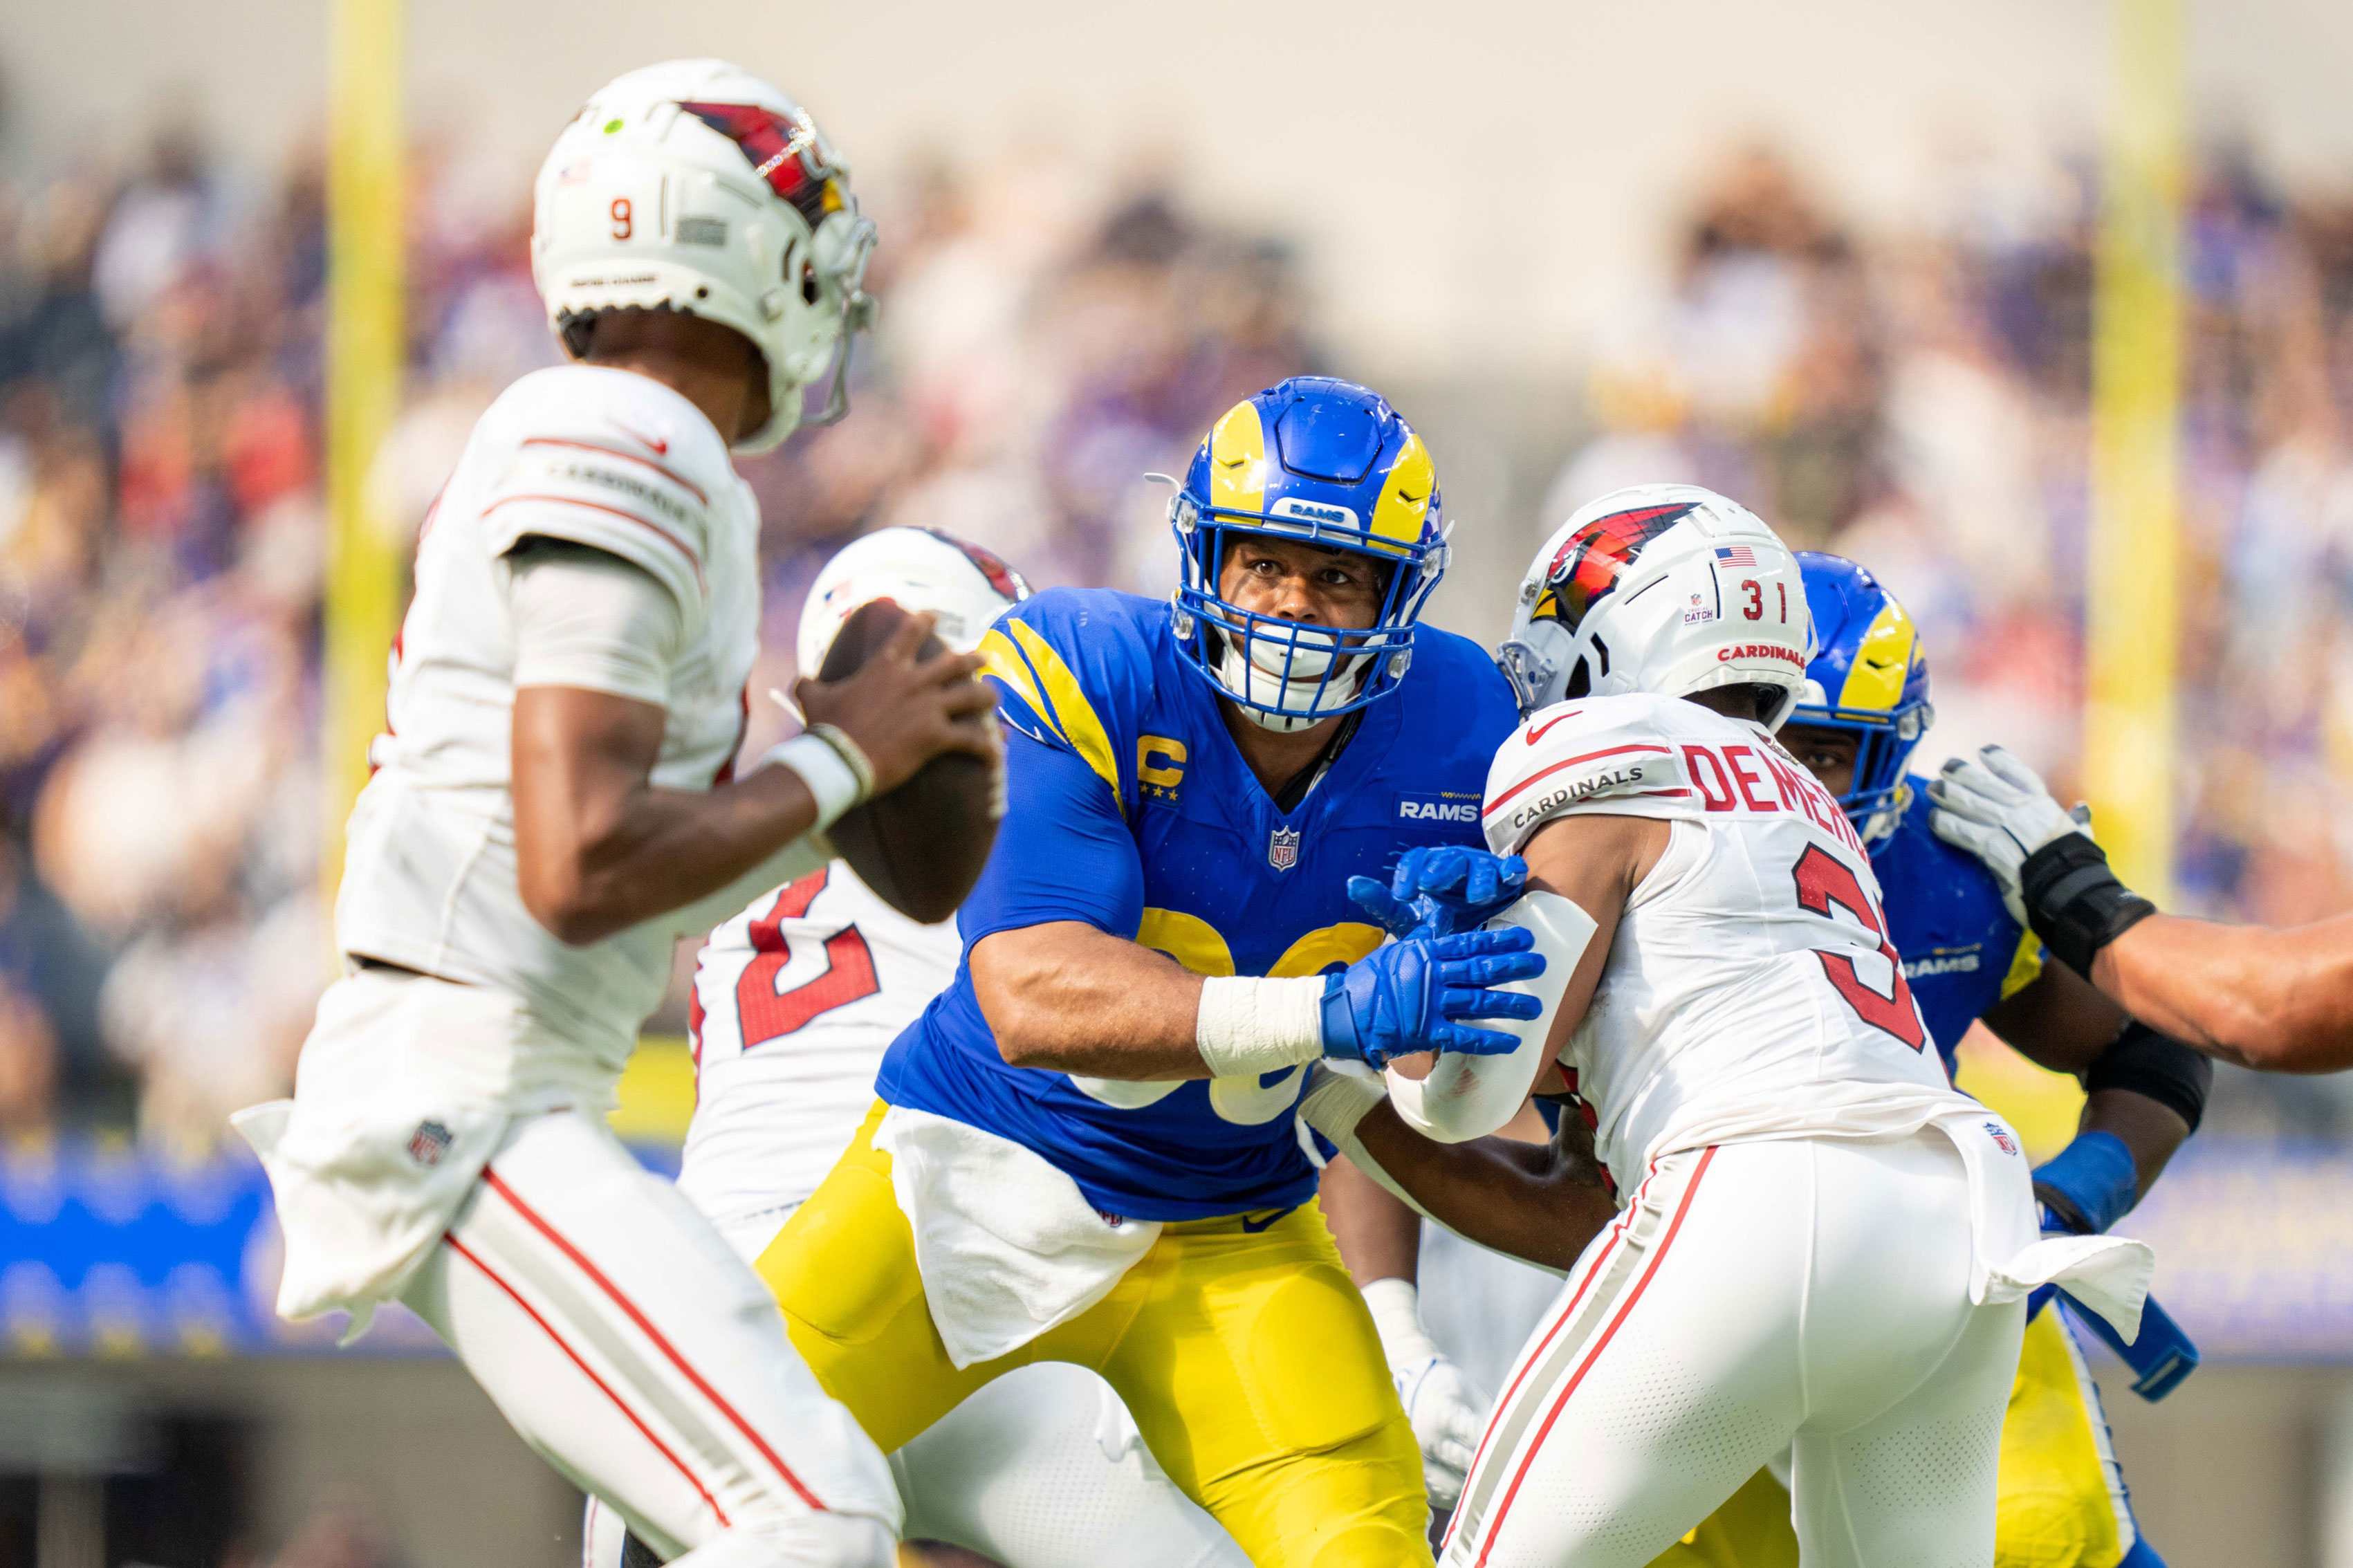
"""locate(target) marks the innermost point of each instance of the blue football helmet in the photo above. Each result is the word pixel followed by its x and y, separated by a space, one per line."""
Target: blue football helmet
pixel 1329 461
pixel 1868 675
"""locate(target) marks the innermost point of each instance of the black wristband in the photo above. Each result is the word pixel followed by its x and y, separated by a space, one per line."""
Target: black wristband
pixel 2073 902
pixel 2157 1065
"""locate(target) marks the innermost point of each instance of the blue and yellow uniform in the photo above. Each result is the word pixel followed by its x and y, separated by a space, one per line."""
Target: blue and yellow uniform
pixel 2062 1501
pixel 1242 1350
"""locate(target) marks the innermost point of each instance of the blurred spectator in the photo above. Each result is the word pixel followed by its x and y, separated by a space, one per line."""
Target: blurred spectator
pixel 1054 330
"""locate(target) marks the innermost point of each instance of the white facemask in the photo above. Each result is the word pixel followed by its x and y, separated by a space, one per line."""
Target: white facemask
pixel 1260 677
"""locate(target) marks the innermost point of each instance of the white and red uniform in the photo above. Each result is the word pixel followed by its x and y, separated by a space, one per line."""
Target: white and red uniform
pixel 796 999
pixel 446 1143
pixel 1820 1248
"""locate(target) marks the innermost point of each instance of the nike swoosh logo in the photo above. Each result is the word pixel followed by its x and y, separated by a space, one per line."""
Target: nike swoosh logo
pixel 1251 1228
pixel 658 449
pixel 1538 733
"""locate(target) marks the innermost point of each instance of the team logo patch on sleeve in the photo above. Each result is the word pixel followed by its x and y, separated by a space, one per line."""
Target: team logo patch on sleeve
pixel 1442 806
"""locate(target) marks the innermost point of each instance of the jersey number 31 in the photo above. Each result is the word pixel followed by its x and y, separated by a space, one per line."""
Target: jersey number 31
pixel 1824 882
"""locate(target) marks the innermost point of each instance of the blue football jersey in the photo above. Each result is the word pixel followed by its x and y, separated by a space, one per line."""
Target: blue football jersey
pixel 1130 808
pixel 1962 950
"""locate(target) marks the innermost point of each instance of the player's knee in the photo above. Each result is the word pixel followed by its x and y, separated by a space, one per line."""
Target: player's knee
pixel 803 1539
pixel 1373 1543
pixel 1316 1365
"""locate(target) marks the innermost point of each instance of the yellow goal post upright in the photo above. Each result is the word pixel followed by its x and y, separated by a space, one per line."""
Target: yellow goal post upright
pixel 366 353
pixel 2133 600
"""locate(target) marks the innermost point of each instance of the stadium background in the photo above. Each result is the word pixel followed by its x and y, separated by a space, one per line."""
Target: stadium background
pixel 1834 258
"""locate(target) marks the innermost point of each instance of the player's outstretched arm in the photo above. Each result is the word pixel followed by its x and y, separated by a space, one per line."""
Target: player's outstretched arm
pixel 1069 997
pixel 2147 1093
pixel 1541 1201
pixel 2278 1000
pixel 598 849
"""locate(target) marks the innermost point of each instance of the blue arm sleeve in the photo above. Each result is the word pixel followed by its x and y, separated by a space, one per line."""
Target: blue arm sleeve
pixel 1063 851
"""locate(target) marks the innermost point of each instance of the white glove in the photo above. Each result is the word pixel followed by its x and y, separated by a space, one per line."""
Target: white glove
pixel 1997 808
pixel 1447 1413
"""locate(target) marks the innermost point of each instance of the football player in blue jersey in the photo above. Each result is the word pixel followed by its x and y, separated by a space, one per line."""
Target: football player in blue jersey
pixel 1085 1149
pixel 1969 959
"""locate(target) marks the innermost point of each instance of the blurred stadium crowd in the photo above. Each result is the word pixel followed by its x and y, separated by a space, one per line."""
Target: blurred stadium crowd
pixel 1917 399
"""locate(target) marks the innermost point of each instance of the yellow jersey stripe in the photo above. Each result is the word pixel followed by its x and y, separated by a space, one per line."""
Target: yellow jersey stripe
pixel 2025 966
pixel 1000 658
pixel 1073 716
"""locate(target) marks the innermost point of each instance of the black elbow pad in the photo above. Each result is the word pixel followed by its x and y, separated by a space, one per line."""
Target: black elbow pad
pixel 2157 1066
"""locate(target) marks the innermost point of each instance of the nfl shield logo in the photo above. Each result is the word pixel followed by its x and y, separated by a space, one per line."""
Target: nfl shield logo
pixel 1282 848
pixel 2002 1138
pixel 428 1143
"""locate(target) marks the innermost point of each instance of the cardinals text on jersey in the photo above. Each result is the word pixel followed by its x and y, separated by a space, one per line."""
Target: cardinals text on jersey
pixel 596 457
pixel 1134 812
pixel 1751 990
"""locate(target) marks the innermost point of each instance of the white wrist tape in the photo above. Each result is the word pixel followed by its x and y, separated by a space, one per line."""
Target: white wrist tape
pixel 1396 1315
pixel 821 766
pixel 1337 1099
pixel 1252 1025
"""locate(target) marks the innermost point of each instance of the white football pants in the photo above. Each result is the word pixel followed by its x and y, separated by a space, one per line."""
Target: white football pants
pixel 1041 1469
pixel 643 1359
pixel 1809 1295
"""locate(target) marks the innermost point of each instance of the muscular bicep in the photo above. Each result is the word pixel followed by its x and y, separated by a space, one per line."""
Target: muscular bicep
pixel 577 758
pixel 1063 851
pixel 1595 862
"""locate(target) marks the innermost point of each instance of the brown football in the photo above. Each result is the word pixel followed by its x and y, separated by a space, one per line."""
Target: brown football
pixel 921 845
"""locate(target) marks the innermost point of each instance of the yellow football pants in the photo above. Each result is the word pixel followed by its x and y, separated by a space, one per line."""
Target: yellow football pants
pixel 1245 1356
pixel 2060 1505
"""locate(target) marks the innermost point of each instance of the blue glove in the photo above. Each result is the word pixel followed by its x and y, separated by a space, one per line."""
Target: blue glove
pixel 1405 997
pixel 1442 889
pixel 2088 1186
pixel 2161 1358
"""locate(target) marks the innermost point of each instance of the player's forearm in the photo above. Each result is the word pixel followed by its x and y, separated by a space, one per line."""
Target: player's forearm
pixel 1378 1236
pixel 1067 997
pixel 659 850
pixel 1523 1199
pixel 2278 1000
pixel 2150 1130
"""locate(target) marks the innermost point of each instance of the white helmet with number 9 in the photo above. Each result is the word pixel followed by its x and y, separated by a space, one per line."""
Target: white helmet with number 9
pixel 695 186
pixel 1669 589
pixel 916 569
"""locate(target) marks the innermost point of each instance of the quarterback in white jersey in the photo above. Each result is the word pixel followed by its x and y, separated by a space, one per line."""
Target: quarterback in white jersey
pixel 796 999
pixel 553 805
pixel 1825 1249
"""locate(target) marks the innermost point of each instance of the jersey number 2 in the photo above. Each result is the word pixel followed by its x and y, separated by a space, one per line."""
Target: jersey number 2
pixel 1824 881
pixel 768 1013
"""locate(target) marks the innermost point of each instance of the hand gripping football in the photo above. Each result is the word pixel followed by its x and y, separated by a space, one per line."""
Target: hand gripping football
pixel 921 845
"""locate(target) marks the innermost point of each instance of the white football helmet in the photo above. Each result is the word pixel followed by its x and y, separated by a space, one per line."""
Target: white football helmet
pixel 916 569
pixel 695 186
pixel 1662 588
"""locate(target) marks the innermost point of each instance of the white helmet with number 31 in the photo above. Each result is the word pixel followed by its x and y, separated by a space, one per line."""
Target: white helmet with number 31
pixel 695 186
pixel 1669 589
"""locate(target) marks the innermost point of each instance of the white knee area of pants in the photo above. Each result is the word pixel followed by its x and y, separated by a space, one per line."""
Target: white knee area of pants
pixel 624 1340
pixel 811 1541
pixel 1044 1468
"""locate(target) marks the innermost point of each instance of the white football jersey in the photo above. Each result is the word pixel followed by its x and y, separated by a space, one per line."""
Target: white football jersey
pixel 603 458
pixel 1750 991
pixel 796 999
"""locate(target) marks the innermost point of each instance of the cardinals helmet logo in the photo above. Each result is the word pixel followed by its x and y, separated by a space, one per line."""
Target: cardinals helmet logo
pixel 1587 567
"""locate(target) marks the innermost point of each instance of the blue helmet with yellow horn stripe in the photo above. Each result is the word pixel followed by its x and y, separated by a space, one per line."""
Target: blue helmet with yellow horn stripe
pixel 1325 460
pixel 1868 676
